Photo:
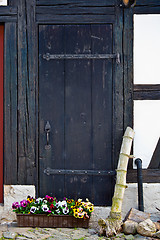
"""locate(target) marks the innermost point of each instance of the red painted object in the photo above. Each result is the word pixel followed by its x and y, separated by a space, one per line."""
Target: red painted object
pixel 1 110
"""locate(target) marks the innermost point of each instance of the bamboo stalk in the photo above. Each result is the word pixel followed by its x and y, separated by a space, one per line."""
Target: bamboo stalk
pixel 112 225
pixel 120 186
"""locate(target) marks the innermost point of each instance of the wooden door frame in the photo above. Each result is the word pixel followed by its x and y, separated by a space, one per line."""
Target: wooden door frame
pixel 1 109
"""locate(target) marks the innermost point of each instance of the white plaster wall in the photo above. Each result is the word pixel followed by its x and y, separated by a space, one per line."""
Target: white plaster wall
pixel 151 195
pixel 3 2
pixel 147 129
pixel 146 48
pixel 146 71
pixel 16 193
pixel 13 193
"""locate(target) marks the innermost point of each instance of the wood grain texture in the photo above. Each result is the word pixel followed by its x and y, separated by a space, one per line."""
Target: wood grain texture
pixel 8 18
pixel 147 3
pixel 102 83
pixel 10 105
pixel 74 10
pixel 12 2
pixel 146 87
pixel 51 108
pixel 8 11
pixel 147 9
pixel 128 67
pixel 76 3
pixel 26 93
pixel 146 95
pixel 1 109
pixel 146 91
pixel 8 14
pixel 78 117
pixel 69 19
pixel 118 90
pixel 149 176
pixel 81 135
pixel 128 70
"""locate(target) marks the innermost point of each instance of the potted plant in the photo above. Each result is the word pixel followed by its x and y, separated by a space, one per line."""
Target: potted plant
pixel 50 212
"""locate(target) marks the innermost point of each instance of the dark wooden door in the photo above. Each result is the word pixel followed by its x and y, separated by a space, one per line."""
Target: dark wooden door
pixel 75 111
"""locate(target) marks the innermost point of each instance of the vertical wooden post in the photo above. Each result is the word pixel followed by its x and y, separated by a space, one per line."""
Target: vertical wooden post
pixel 1 111
pixel 10 103
pixel 26 92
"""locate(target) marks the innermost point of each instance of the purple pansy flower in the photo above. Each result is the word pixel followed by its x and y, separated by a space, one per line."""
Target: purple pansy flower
pixel 24 203
pixel 49 199
pixel 15 205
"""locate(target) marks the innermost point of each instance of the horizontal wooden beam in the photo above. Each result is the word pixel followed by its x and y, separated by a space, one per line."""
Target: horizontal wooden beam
pixel 147 9
pixel 146 95
pixel 8 11
pixel 8 14
pixel 76 3
pixel 146 92
pixel 49 18
pixel 148 175
pixel 146 2
pixel 146 87
pixel 63 10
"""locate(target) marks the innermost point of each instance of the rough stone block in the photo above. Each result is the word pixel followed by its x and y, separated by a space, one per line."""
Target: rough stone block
pixel 130 227
pixel 146 228
pixel 137 216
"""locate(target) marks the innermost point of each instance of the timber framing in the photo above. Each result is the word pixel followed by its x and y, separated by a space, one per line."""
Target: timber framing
pixel 21 19
pixel 147 92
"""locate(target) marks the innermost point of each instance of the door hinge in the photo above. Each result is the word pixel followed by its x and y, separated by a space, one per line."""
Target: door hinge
pixel 49 56
pixel 49 171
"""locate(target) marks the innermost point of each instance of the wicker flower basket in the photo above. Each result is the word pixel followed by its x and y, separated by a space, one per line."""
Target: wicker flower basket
pixel 53 221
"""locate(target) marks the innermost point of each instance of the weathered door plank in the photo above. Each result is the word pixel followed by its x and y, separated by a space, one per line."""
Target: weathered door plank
pixel 51 105
pixel 78 112
pixel 102 78
pixel 26 92
pixel 10 104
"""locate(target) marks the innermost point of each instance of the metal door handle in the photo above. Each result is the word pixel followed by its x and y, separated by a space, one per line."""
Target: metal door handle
pixel 47 130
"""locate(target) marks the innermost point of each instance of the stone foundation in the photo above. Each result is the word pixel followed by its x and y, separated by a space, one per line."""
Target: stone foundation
pixel 99 212
pixel 13 193
pixel 151 196
pixel 151 192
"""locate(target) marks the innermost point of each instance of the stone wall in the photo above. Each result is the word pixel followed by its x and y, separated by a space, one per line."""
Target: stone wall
pixel 151 192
